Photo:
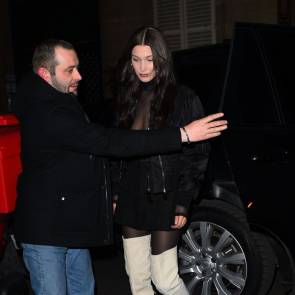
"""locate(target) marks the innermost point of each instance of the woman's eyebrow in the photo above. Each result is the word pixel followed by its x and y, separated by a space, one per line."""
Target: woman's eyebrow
pixel 142 57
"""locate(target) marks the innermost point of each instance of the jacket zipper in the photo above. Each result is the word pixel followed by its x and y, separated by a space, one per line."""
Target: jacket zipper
pixel 148 185
pixel 163 174
pixel 120 170
pixel 149 189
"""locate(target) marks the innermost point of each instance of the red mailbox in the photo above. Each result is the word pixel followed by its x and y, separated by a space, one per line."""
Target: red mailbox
pixel 10 165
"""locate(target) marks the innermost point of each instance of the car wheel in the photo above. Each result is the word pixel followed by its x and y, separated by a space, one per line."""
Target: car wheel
pixel 219 255
pixel 279 269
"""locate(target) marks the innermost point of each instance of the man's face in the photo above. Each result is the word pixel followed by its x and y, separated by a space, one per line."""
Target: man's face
pixel 67 76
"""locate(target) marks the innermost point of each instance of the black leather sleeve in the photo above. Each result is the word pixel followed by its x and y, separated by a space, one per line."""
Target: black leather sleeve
pixel 194 157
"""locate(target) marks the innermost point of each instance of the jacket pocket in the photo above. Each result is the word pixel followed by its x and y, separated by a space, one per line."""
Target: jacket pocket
pixel 77 212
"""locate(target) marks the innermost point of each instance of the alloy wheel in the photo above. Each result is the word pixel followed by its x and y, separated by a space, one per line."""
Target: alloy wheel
pixel 211 260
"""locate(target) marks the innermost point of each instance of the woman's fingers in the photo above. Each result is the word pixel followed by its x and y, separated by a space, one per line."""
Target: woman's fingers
pixel 179 221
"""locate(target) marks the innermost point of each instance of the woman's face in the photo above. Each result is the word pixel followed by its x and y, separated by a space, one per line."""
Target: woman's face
pixel 142 62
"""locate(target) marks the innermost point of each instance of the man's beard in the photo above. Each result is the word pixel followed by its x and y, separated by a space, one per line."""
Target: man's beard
pixel 60 87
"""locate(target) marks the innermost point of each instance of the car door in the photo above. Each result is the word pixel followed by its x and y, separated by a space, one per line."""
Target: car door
pixel 258 102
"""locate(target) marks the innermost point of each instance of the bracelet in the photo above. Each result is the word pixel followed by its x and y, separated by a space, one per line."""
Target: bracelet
pixel 186 134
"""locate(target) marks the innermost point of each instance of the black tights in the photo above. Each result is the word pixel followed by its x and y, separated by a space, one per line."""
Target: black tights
pixel 161 240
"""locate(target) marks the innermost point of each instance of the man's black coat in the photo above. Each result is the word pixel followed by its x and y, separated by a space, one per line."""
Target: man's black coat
pixel 63 191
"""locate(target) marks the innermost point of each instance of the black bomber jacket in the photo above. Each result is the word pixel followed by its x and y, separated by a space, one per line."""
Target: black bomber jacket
pixel 180 172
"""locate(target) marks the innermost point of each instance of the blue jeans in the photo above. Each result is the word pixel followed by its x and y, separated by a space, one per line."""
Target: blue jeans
pixel 59 270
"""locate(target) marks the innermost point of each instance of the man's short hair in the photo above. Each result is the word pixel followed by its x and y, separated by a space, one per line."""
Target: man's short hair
pixel 44 54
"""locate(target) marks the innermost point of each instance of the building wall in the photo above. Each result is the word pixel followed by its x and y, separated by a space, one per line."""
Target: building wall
pixel 6 57
pixel 253 11
pixel 119 19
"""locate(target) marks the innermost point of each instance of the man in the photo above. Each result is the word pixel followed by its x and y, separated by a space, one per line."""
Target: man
pixel 62 206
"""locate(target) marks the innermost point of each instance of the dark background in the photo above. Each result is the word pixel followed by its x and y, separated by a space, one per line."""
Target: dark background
pixel 98 30
pixel 34 21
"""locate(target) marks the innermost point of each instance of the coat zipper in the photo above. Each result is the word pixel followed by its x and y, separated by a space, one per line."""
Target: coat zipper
pixel 106 193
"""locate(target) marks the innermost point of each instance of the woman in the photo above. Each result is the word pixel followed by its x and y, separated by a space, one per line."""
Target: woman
pixel 153 194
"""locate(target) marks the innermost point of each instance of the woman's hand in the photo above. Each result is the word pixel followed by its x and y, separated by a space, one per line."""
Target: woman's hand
pixel 179 222
pixel 114 207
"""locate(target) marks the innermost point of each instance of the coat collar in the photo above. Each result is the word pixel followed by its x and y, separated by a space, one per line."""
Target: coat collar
pixel 33 89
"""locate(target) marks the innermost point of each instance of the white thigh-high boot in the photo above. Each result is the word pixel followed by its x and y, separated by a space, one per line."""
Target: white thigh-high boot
pixel 137 253
pixel 165 273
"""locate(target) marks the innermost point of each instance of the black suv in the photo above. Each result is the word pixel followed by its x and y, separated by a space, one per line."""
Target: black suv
pixel 240 238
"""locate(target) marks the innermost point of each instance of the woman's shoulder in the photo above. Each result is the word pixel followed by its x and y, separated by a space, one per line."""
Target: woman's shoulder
pixel 187 95
pixel 188 104
pixel 184 89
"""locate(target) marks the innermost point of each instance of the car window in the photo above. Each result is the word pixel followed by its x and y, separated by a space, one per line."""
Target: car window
pixel 279 47
pixel 203 70
pixel 249 97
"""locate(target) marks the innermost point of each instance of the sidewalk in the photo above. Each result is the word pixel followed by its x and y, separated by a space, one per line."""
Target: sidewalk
pixel 109 271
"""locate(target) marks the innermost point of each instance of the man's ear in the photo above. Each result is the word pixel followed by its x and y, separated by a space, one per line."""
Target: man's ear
pixel 44 74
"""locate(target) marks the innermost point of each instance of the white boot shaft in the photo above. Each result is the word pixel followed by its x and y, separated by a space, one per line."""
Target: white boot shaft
pixel 165 273
pixel 137 254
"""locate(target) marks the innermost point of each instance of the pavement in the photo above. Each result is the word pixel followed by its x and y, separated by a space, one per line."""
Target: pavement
pixel 109 271
pixel 108 268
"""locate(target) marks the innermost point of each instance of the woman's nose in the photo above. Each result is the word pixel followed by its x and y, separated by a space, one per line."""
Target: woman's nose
pixel 142 66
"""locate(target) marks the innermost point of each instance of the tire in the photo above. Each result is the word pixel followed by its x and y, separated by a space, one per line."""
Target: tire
pixel 219 255
pixel 284 278
pixel 269 263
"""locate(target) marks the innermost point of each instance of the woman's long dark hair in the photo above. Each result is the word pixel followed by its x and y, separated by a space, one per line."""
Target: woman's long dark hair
pixel 128 83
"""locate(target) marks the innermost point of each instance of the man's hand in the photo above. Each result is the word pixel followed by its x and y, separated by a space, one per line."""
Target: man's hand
pixel 204 128
pixel 179 222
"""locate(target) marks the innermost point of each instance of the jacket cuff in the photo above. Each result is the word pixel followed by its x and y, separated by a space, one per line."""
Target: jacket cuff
pixel 185 198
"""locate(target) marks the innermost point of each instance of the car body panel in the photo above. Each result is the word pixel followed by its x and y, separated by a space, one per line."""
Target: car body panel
pixel 249 178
